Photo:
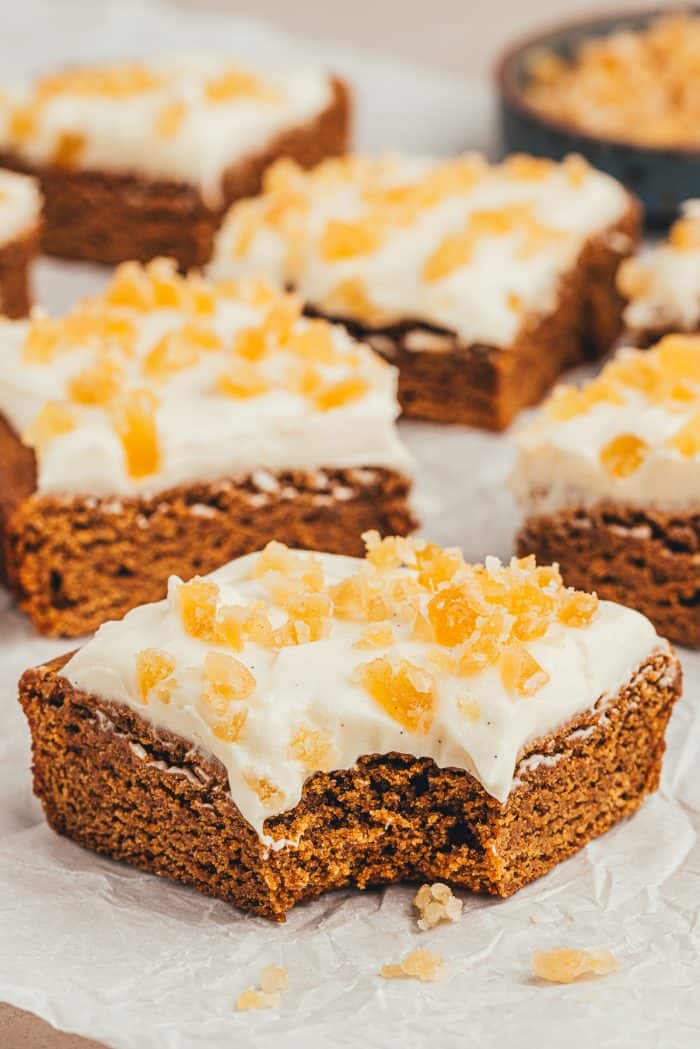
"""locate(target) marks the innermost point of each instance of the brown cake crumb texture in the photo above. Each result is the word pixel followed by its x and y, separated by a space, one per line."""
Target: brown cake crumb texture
pixel 16 259
pixel 443 380
pixel 420 964
pixel 644 558
pixel 112 782
pixel 106 217
pixel 563 965
pixel 75 562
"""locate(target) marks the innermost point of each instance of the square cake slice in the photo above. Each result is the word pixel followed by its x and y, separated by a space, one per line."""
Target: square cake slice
pixel 20 224
pixel 296 723
pixel 662 283
pixel 171 424
pixel 608 479
pixel 480 282
pixel 138 160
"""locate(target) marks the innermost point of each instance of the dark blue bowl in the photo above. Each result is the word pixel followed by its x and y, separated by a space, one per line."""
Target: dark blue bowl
pixel 660 177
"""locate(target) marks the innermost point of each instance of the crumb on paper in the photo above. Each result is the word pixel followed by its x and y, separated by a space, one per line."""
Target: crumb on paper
pixel 273 979
pixel 436 903
pixel 564 965
pixel 418 965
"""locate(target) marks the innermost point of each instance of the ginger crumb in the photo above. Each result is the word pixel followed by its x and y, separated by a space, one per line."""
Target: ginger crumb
pixel 435 904
pixel 418 965
pixel 273 980
pixel 563 965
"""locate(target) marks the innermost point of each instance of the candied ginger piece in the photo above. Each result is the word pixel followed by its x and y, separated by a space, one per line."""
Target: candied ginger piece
pixel 252 998
pixel 406 692
pixel 435 904
pixel 234 83
pixel 624 454
pixel 437 565
pixel 97 384
pixel 226 679
pixel 314 343
pixel 377 635
pixel 346 240
pixel 170 355
pixel 42 340
pixel 337 394
pixel 281 318
pixel 170 119
pixel 686 440
pixel 129 287
pixel 154 672
pixel 269 795
pixel 525 168
pixel 68 149
pixel 532 610
pixel 679 356
pixel 167 286
pixel 351 298
pixel 274 978
pixel 520 671
pixel 228 628
pixel 275 557
pixel 420 964
pixel 685 235
pixel 198 600
pixel 313 748
pixel 54 420
pixel 564 965
pixel 242 381
pixel 469 708
pixel 250 343
pixel 576 608
pixel 135 423
pixel 452 615
pixel 388 553
pixel 455 251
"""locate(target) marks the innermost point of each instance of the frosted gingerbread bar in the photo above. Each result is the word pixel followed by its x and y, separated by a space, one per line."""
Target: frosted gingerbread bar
pixel 20 224
pixel 138 160
pixel 662 283
pixel 608 479
pixel 171 424
pixel 480 282
pixel 296 723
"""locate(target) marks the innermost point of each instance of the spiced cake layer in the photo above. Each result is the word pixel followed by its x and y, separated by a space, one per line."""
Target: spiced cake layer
pixel 20 222
pixel 662 283
pixel 172 424
pixel 264 736
pixel 480 282
pixel 608 479
pixel 141 160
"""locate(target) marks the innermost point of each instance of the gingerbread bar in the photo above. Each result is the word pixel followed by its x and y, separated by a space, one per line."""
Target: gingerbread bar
pixel 138 160
pixel 662 283
pixel 20 222
pixel 171 424
pixel 608 479
pixel 297 723
pixel 480 282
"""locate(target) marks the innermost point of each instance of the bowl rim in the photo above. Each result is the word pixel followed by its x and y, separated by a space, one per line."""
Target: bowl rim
pixel 514 96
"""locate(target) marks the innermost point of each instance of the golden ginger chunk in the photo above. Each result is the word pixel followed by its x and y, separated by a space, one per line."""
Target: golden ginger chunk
pixel 420 964
pixel 563 965
pixel 406 692
pixel 435 904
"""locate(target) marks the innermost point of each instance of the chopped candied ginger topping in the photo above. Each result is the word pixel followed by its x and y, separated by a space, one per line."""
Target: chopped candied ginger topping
pixel 170 119
pixel 347 240
pixel 54 420
pixel 198 601
pixel 436 904
pixel 520 671
pixel 685 233
pixel 273 980
pixel 154 675
pixel 234 84
pixel 668 375
pixel 420 964
pixel 624 454
pixel 564 965
pixel 268 794
pixel 117 81
pixel 686 440
pixel 135 423
pixel 405 691
pixel 313 748
pixel 99 383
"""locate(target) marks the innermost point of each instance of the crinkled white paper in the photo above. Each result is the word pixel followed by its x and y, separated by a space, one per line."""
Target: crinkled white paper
pixel 103 950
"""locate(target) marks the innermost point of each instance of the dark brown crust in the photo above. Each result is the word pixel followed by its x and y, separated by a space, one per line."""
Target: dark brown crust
pixel 642 338
pixel 109 218
pixel 485 386
pixel 644 558
pixel 16 258
pixel 108 780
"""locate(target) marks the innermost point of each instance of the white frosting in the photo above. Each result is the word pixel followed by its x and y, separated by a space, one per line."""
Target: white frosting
pixel 313 686
pixel 204 435
pixel 485 300
pixel 670 298
pixel 20 206
pixel 559 461
pixel 121 133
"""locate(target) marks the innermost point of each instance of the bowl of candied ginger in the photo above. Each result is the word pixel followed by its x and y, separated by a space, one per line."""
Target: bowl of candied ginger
pixel 622 90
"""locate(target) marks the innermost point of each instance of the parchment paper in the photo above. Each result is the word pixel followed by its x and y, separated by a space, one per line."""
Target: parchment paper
pixel 102 950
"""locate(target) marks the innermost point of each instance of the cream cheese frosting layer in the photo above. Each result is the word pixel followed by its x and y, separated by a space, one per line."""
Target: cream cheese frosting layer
pixel 187 118
pixel 164 381
pixel 663 282
pixel 20 206
pixel 335 684
pixel 475 249
pixel 631 436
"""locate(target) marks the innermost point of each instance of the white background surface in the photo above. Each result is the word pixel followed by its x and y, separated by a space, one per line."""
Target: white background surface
pixel 105 951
